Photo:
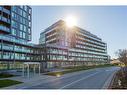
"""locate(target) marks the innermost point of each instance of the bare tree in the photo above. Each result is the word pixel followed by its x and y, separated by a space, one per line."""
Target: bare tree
pixel 122 56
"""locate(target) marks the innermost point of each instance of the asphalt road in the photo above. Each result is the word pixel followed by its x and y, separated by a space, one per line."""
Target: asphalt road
pixel 97 78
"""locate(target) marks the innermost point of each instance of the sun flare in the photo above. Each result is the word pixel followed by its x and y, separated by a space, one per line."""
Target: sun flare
pixel 71 21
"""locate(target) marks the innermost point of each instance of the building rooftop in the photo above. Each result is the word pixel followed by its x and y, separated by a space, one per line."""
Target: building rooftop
pixel 62 22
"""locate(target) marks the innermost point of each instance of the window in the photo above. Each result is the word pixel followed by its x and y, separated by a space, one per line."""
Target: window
pixel 29 18
pixel 29 37
pixel 24 14
pixel 13 31
pixel 25 8
pixel 14 24
pixel 21 19
pixel 14 9
pixel 24 28
pixel 29 30
pixel 21 7
pixel 23 35
pixel 13 15
pixel 21 27
pixel 21 12
pixel 30 11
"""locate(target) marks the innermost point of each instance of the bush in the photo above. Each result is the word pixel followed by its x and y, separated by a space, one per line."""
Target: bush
pixel 121 76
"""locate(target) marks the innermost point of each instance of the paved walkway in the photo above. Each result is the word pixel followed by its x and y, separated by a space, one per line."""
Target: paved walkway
pixel 29 82
pixel 49 80
pixel 33 80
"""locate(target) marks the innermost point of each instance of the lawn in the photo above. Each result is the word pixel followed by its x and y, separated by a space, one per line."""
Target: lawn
pixel 76 68
pixel 8 82
pixel 5 75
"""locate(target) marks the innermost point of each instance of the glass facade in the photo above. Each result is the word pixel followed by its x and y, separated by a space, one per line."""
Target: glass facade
pixel 58 45
pixel 15 32
pixel 21 21
pixel 75 46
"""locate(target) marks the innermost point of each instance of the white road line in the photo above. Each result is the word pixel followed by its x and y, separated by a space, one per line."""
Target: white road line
pixel 79 80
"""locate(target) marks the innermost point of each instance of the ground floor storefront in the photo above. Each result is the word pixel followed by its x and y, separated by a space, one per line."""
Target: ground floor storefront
pixel 8 65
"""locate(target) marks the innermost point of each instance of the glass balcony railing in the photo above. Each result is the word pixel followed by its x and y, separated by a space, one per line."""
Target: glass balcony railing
pixel 6 11
pixel 7 48
pixel 0 8
pixel 5 19
pixel 4 28
pixel 14 39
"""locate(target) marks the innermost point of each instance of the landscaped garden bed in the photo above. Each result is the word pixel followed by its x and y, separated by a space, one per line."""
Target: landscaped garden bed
pixel 120 79
pixel 8 82
pixel 6 75
pixel 76 68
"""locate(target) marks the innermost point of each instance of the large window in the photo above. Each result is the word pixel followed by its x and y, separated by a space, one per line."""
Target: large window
pixel 23 35
pixel 13 31
pixel 14 9
pixel 21 27
pixel 24 14
pixel 14 24
pixel 24 28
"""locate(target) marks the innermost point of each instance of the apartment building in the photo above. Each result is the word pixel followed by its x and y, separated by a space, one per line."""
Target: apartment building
pixel 73 46
pixel 15 34
pixel 59 45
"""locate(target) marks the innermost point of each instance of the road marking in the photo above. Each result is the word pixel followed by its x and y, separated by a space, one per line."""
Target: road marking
pixel 79 80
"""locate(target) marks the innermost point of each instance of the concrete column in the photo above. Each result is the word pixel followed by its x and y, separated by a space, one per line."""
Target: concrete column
pixel 28 71
pixel 34 69
pixel 23 70
pixel 39 69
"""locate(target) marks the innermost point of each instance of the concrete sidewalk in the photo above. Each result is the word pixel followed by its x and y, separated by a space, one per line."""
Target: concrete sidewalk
pixel 36 80
pixel 32 80
pixel 42 79
pixel 39 79
pixel 28 82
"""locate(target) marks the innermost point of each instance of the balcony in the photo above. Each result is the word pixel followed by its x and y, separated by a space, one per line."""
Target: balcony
pixel 0 8
pixel 4 19
pixel 4 28
pixel 13 39
pixel 6 11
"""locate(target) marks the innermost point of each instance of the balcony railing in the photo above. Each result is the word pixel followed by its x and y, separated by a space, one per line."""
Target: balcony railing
pixel 6 11
pixel 5 19
pixel 4 28
pixel 13 39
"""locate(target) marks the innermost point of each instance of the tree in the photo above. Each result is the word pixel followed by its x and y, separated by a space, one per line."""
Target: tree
pixel 122 56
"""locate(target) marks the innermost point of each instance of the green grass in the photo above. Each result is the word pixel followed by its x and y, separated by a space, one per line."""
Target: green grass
pixel 77 68
pixel 5 75
pixel 7 82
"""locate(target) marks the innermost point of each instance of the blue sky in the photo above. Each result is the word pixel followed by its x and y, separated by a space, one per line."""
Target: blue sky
pixel 107 22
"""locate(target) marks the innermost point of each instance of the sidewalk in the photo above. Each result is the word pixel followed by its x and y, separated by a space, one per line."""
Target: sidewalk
pixel 32 80
pixel 29 82
pixel 40 79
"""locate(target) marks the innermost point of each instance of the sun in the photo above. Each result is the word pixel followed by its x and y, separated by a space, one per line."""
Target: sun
pixel 71 21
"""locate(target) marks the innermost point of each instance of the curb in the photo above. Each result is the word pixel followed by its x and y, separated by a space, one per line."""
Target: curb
pixel 109 81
